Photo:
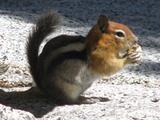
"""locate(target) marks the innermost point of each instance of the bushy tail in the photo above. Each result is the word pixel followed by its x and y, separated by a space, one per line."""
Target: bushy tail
pixel 45 25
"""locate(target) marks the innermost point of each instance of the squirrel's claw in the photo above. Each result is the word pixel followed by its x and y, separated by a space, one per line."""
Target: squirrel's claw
pixel 136 55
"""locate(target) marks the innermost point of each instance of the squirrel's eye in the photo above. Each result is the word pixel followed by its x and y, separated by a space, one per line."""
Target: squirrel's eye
pixel 120 34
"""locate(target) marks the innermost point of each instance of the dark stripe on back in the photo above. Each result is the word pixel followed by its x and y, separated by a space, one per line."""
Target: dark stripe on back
pixel 59 42
pixel 81 55
pixel 55 43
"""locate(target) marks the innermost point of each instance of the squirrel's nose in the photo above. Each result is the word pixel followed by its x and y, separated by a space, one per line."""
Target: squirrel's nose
pixel 136 39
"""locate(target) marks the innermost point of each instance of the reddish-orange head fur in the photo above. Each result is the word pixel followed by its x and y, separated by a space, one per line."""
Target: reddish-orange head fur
pixel 105 41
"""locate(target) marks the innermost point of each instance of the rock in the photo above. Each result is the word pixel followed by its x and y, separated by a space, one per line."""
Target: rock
pixel 8 113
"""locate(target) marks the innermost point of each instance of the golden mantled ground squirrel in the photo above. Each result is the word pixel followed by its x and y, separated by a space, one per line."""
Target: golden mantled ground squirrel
pixel 68 65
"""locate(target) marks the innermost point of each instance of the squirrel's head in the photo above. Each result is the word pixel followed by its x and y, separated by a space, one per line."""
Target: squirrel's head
pixel 107 45
pixel 108 34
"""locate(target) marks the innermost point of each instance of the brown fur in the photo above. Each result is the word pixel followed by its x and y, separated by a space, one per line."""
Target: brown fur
pixel 104 48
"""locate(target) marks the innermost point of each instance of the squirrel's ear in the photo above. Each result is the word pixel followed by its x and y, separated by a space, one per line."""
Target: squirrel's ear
pixel 102 23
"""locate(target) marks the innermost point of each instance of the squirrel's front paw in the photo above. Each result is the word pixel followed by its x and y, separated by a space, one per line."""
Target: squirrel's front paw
pixel 135 54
